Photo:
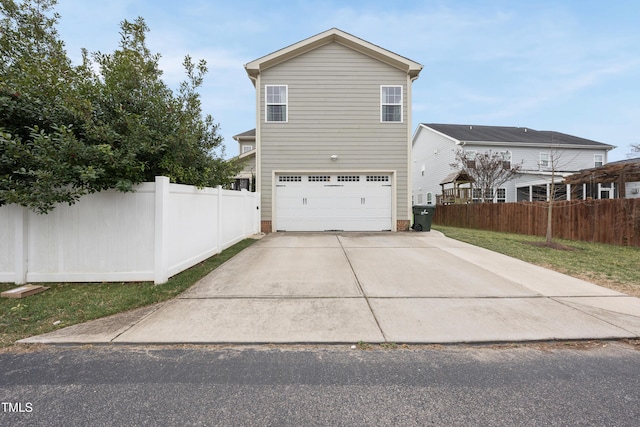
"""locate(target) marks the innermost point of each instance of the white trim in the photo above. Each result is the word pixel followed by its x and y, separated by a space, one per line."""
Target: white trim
pixel 548 160
pixel 401 104
pixel 259 144
pixel 286 104
pixel 595 156
pixel 255 67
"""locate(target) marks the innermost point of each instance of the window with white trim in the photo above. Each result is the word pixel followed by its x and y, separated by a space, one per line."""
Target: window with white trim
pixel 501 195
pixel 276 99
pixel 544 160
pixel 470 158
pixel 391 104
pixel 598 160
pixel 506 159
pixel 247 148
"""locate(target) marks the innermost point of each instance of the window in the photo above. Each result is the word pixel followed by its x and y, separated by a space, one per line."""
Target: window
pixel 276 98
pixel 377 178
pixel 501 195
pixel 598 160
pixel 506 159
pixel 348 178
pixel 544 160
pixel 319 178
pixel 478 193
pixel 247 148
pixel 292 178
pixel 430 198
pixel 470 158
pixel 422 170
pixel 391 104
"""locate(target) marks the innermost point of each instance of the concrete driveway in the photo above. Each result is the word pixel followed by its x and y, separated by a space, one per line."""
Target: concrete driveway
pixel 371 287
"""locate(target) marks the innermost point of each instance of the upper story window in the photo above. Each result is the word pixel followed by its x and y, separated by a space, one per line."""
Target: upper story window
pixel 276 99
pixel 391 104
pixel 470 158
pixel 247 148
pixel 544 160
pixel 506 159
pixel 598 160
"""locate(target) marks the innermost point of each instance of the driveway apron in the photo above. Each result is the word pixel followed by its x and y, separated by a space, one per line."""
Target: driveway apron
pixel 373 287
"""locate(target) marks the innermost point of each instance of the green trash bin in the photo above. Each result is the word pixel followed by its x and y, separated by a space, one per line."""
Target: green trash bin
pixel 422 217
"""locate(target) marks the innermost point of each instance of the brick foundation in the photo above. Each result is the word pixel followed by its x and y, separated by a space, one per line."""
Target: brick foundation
pixel 403 224
pixel 265 226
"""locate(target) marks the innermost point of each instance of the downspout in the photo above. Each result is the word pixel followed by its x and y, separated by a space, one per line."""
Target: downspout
pixel 410 81
pixel 256 84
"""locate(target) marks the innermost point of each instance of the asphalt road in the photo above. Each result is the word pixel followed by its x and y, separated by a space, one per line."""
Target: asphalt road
pixel 587 384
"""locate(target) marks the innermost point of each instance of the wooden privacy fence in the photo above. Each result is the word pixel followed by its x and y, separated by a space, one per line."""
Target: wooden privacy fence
pixel 612 221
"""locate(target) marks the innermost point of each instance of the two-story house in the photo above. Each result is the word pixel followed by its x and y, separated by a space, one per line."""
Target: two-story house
pixel 541 154
pixel 333 135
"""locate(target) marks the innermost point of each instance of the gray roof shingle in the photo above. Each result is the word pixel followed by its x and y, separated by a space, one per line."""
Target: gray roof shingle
pixel 475 133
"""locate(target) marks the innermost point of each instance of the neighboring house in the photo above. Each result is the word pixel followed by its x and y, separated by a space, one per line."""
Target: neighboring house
pixel 619 179
pixel 540 153
pixel 333 135
pixel 245 180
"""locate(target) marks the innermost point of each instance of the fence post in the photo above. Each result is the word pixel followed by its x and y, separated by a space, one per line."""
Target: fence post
pixel 219 219
pixel 161 256
pixel 245 207
pixel 21 243
pixel 258 215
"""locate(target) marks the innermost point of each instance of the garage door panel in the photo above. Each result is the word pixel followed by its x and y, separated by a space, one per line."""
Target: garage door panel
pixel 333 202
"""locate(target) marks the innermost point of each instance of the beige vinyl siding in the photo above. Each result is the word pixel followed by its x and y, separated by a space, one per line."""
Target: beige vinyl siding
pixel 248 167
pixel 334 109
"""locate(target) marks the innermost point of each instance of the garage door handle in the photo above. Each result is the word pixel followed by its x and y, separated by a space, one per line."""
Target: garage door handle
pixel 362 200
pixel 304 200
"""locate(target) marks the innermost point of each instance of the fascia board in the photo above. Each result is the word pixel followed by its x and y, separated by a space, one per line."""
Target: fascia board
pixel 540 145
pixel 254 67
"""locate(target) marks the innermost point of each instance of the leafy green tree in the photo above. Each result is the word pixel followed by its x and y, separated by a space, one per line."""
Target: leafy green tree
pixel 67 131
pixel 42 161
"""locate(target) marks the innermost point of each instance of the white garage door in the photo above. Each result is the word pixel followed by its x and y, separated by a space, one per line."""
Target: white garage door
pixel 323 202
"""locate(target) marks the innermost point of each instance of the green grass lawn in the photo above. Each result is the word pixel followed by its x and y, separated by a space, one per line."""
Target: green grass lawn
pixel 615 267
pixel 71 303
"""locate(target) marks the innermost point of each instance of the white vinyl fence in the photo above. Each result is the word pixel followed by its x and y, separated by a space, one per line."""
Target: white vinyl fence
pixel 150 235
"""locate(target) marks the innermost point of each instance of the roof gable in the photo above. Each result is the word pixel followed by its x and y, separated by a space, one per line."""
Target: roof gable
pixel 333 35
pixel 511 135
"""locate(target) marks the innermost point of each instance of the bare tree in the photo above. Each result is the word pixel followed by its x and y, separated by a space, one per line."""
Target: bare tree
pixel 554 163
pixel 488 170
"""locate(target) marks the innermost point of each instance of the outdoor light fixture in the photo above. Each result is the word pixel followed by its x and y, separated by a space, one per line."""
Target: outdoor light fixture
pixel 334 157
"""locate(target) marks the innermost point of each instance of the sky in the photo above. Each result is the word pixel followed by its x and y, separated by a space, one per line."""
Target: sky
pixel 570 66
